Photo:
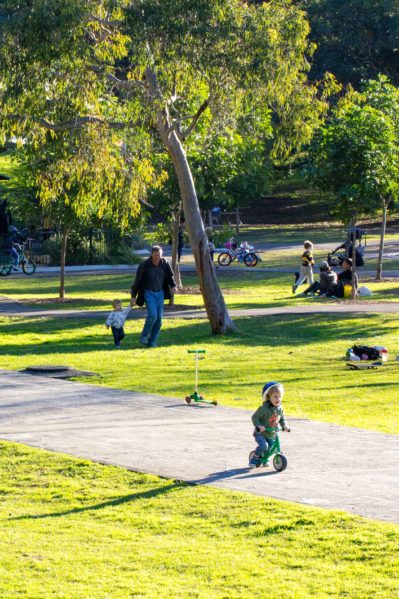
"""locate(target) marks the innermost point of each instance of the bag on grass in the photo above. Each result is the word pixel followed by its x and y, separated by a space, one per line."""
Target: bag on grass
pixel 371 352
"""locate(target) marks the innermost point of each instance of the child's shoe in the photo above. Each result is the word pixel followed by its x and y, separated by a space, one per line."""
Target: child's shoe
pixel 294 289
pixel 253 460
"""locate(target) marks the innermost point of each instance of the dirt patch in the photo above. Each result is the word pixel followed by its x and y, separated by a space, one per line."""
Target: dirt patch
pixel 52 300
pixel 197 291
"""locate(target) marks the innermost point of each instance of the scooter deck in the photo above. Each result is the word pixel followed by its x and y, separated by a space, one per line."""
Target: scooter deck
pixel 363 365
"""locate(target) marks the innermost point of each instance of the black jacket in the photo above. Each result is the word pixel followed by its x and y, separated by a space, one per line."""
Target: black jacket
pixel 138 285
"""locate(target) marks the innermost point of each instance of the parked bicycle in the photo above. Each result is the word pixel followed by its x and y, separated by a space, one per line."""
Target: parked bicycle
pixel 7 262
pixel 245 253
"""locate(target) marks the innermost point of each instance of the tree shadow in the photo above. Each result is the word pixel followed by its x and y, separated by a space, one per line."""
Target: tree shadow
pixel 287 330
pixel 99 506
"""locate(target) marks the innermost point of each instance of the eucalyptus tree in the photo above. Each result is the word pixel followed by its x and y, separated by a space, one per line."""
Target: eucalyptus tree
pixel 145 67
pixel 356 156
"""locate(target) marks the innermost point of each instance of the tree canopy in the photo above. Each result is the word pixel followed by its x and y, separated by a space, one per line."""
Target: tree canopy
pixel 356 40
pixel 127 71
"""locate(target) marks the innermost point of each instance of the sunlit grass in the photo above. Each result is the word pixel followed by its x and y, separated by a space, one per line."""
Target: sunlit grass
pixel 244 289
pixel 73 529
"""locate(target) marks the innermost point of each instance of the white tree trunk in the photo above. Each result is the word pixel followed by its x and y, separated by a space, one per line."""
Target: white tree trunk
pixel 175 243
pixel 238 221
pixel 64 241
pixel 215 306
pixel 213 298
pixel 378 275
pixel 354 290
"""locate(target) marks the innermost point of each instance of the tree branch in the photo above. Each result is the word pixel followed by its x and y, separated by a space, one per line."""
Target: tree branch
pixel 196 118
pixel 106 23
pixel 77 123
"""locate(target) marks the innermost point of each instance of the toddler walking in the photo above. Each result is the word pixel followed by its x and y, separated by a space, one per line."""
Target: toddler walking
pixel 116 319
pixel 266 420
pixel 306 270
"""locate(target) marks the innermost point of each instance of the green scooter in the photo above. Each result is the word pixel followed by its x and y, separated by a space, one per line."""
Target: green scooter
pixel 196 397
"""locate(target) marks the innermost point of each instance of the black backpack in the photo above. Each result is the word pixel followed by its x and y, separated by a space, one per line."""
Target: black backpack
pixel 371 352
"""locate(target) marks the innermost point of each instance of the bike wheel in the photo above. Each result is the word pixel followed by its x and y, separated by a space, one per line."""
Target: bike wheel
pixel 224 259
pixel 5 270
pixel 280 462
pixel 29 267
pixel 251 259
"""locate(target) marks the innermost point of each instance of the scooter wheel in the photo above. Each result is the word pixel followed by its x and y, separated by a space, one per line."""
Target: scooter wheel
pixel 214 403
pixel 280 462
pixel 187 399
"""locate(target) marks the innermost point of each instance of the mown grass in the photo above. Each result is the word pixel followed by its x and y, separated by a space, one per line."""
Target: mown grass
pixel 305 352
pixel 76 530
pixel 243 289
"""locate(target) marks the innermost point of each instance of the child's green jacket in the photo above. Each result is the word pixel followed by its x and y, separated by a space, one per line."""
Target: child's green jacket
pixel 270 417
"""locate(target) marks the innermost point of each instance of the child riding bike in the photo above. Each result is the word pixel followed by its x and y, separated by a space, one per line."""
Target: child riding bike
pixel 266 420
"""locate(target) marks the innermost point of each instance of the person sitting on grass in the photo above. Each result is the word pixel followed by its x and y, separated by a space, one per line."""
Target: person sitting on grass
pixel 344 278
pixel 266 420
pixel 326 285
pixel 306 270
pixel 116 319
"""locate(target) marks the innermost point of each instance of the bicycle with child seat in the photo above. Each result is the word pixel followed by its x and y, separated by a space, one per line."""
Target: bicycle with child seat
pixel 243 253
pixel 7 262
pixel 280 462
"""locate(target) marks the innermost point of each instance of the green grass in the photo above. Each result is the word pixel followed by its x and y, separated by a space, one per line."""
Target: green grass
pixel 243 289
pixel 72 529
pixel 305 352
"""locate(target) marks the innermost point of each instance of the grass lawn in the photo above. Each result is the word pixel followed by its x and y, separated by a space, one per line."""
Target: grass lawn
pixel 76 530
pixel 306 353
pixel 243 289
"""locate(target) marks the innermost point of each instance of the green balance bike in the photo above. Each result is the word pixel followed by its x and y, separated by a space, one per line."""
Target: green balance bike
pixel 280 462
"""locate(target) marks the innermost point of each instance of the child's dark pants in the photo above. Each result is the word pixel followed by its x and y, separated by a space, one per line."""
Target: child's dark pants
pixel 118 334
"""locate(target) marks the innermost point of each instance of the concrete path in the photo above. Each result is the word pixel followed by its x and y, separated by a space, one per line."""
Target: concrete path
pixel 127 269
pixel 14 309
pixel 329 466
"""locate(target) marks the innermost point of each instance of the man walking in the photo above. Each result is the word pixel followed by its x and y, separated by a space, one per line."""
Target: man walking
pixel 153 284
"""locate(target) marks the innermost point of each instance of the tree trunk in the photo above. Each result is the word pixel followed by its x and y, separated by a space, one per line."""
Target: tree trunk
pixel 175 243
pixel 378 274
pixel 238 221
pixel 213 298
pixel 354 290
pixel 64 242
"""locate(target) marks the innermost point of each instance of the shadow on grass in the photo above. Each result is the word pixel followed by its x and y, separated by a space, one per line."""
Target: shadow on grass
pixel 290 330
pixel 117 283
pixel 99 506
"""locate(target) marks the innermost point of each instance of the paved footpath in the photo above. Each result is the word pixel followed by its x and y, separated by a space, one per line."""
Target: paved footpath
pixel 13 309
pixel 329 466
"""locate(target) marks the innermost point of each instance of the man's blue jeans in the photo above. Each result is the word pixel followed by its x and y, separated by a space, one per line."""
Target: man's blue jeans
pixel 154 302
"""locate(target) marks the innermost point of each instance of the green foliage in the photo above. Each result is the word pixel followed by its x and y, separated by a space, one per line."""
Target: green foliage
pixel 356 39
pixel 220 236
pixel 356 154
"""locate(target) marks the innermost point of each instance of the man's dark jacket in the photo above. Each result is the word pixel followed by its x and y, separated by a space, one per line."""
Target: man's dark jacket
pixel 139 282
